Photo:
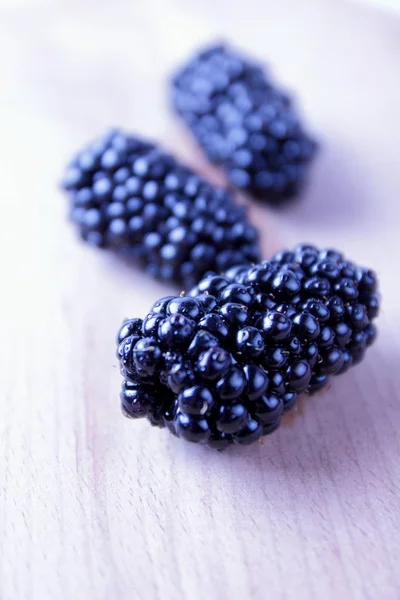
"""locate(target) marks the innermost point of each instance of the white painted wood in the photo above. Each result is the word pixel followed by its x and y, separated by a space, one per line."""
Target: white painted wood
pixel 95 507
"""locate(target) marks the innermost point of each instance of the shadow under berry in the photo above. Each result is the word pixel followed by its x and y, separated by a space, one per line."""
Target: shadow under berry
pixel 337 192
pixel 347 427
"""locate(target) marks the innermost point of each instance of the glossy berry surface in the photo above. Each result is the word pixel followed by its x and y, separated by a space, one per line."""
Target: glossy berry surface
pixel 128 195
pixel 243 122
pixel 222 364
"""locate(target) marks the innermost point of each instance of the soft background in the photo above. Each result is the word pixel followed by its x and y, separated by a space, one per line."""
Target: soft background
pixel 95 507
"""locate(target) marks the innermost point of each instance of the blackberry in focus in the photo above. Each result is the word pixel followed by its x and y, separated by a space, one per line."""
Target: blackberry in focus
pixel 222 364
pixel 128 195
pixel 243 122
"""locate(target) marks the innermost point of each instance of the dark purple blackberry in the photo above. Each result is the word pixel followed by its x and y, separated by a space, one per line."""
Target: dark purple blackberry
pixel 243 123
pixel 222 364
pixel 128 195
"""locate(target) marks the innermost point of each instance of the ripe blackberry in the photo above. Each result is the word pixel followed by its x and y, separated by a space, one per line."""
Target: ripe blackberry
pixel 130 196
pixel 243 122
pixel 222 364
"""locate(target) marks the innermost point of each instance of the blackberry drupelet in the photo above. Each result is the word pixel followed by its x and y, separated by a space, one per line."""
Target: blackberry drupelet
pixel 128 195
pixel 222 364
pixel 243 123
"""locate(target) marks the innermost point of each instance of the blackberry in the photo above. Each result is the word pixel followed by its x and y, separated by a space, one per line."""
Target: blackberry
pixel 128 195
pixel 243 122
pixel 222 364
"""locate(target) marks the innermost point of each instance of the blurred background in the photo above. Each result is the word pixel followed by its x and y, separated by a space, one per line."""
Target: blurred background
pixel 94 506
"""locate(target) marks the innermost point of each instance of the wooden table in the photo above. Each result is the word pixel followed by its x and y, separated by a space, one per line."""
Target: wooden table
pixel 95 507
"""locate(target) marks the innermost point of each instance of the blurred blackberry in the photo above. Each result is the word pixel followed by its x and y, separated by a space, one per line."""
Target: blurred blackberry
pixel 243 123
pixel 222 364
pixel 128 195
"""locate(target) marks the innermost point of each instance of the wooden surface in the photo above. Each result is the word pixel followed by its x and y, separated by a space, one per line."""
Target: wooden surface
pixel 95 507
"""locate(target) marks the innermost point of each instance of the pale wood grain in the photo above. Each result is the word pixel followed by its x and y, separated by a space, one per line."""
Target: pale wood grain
pixel 93 506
